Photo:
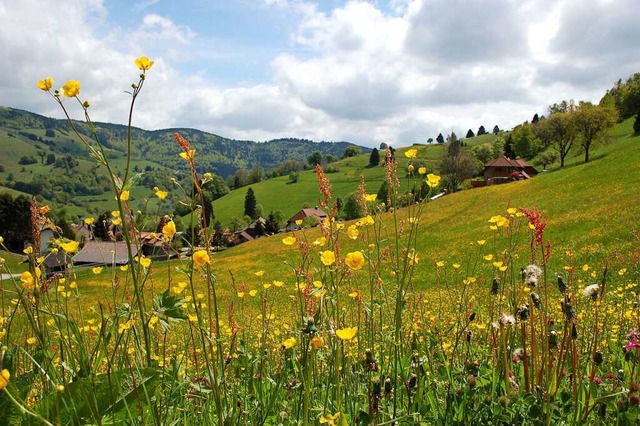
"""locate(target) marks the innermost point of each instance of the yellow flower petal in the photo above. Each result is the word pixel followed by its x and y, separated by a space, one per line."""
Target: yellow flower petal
pixel 71 88
pixel 45 84
pixel 143 63
pixel 201 257
pixel 347 333
pixel 354 260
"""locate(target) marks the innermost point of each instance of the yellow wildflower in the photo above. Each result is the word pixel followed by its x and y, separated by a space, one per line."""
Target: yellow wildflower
pixel 422 170
pixel 89 221
pixel 253 293
pixel 352 232
pixel 71 88
pixel 45 84
pixel 144 261
pixel 278 283
pixel 28 250
pixel 320 241
pixel 259 273
pixel 143 63
pixel 354 260
pixel 32 340
pixel 299 222
pixel 70 247
pixel 4 378
pixel 169 230
pixel 161 194
pixel 370 198
pixel 330 419
pixel 433 180
pixel 27 280
pixel 124 196
pixel 189 155
pixel 96 270
pixel 117 221
pixel 411 153
pixel 201 257
pixel 488 257
pixel 328 257
pixel 317 342
pixel 347 333
pixel 289 241
pixel 289 343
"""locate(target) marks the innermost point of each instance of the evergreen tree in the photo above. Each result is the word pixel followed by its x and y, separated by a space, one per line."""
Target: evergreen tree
pixel 508 148
pixel 470 133
pixel 496 129
pixel 535 119
pixel 481 131
pixel 250 204
pixel 374 157
pixel 352 209
pixel 440 138
pixel 383 146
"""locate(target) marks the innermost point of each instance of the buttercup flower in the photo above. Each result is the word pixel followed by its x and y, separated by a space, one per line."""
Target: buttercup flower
pixel 411 153
pixel 201 257
pixel 124 196
pixel 89 221
pixel 96 270
pixel 354 260
pixel 289 343
pixel 70 247
pixel 71 88
pixel 143 63
pixel 422 170
pixel 27 280
pixel 328 257
pixel 45 84
pixel 4 379
pixel 330 419
pixel 347 333
pixel 433 180
pixel 352 232
pixel 289 241
pixel 169 230
pixel 370 197
pixel 189 155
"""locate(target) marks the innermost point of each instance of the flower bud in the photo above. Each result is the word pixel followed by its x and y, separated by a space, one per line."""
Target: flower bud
pixel 598 357
pixel 494 286
pixel 561 284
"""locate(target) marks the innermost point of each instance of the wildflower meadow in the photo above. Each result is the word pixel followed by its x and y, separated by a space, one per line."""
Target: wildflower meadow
pixel 350 331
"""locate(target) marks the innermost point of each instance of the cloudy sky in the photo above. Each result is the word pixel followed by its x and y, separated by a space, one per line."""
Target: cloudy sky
pixel 395 71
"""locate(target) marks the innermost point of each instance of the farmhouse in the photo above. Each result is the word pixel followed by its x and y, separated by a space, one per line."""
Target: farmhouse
pixel 505 169
pixel 104 253
pixel 303 214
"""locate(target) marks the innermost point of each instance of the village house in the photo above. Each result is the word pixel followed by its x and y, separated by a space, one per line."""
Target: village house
pixel 315 214
pixel 505 169
pixel 104 253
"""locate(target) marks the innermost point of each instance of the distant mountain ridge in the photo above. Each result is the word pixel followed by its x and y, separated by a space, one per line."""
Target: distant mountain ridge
pixel 215 153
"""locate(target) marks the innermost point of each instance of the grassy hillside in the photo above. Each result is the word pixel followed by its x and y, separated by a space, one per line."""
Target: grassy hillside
pixel 592 211
pixel 279 194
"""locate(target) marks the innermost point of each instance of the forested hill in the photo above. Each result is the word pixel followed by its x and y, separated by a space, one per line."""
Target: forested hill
pixel 215 153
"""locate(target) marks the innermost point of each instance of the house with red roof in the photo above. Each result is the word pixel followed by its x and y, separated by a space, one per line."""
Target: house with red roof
pixel 505 169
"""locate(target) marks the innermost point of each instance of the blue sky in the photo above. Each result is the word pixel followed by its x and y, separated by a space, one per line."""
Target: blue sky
pixel 394 71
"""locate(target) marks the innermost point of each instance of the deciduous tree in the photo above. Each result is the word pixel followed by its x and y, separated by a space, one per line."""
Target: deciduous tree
pixel 592 122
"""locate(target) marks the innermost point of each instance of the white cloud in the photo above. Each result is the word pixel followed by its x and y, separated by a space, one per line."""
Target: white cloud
pixel 398 72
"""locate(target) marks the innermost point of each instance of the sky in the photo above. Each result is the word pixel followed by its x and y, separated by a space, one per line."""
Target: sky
pixel 367 72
